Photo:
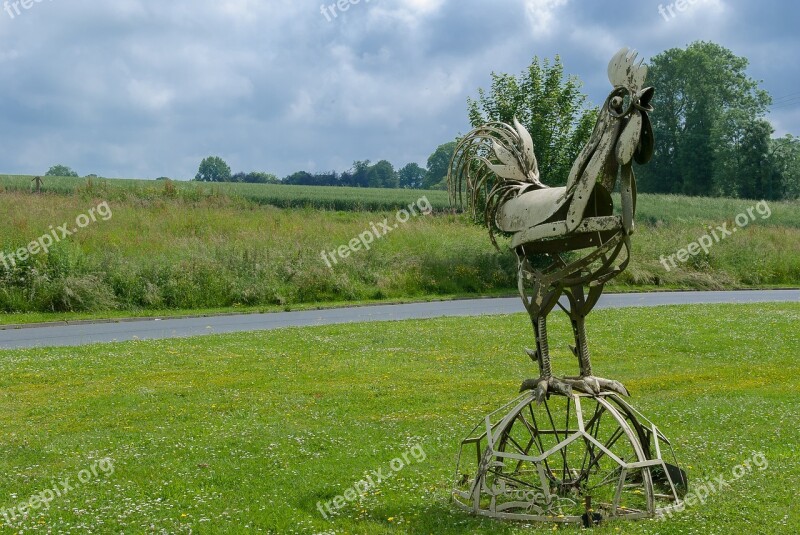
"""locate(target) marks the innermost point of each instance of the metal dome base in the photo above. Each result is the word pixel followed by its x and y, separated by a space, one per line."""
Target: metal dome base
pixel 574 458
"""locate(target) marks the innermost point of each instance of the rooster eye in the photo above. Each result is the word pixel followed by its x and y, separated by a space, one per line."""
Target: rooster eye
pixel 620 102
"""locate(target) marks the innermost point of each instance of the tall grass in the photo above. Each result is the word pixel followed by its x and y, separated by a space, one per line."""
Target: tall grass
pixel 173 246
pixel 218 252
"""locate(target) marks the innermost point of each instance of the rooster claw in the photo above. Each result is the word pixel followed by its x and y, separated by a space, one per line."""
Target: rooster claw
pixel 544 386
pixel 594 386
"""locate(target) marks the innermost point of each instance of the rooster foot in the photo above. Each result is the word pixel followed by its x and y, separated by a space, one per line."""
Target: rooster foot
pixel 596 385
pixel 544 386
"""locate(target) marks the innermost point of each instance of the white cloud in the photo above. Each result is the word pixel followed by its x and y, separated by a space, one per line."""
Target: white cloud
pixel 150 95
pixel 543 16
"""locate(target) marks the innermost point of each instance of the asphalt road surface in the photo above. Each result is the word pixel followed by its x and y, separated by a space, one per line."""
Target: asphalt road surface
pixel 150 329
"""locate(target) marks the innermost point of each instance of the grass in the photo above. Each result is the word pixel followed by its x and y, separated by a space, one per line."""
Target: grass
pixel 204 247
pixel 247 432
pixel 170 254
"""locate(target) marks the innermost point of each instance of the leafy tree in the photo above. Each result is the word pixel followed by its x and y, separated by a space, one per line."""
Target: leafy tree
pixel 382 175
pixel 359 175
pixel 741 164
pixel 784 180
pixel 411 176
pixel 60 170
pixel 213 169
pixel 438 166
pixel 300 178
pixel 703 97
pixel 552 108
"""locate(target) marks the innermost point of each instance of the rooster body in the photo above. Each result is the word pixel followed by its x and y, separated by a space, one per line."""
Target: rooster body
pixel 495 170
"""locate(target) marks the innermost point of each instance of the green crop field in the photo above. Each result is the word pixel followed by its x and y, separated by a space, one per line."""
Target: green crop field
pixel 322 197
pixel 247 433
pixel 185 247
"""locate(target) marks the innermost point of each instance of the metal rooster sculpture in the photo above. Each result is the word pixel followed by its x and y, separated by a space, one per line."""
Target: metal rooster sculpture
pixel 495 170
pixel 567 450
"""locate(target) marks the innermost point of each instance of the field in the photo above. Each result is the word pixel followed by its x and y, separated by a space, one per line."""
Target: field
pixel 324 198
pixel 247 433
pixel 170 248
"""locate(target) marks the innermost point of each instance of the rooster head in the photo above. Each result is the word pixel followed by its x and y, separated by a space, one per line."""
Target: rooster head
pixel 629 103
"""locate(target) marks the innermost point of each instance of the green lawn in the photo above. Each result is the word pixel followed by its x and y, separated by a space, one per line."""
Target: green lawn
pixel 246 433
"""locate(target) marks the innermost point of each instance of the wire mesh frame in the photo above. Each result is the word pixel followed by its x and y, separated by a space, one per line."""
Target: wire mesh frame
pixel 549 463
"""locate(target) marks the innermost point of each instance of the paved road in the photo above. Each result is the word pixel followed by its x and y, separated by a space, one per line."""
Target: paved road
pixel 75 335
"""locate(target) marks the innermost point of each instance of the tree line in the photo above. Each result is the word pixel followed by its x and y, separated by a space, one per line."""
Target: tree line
pixel 363 174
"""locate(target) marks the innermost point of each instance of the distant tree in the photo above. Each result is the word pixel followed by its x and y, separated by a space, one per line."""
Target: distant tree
pixel 213 169
pixel 411 176
pixel 741 163
pixel 360 174
pixel 553 109
pixel 347 179
pixel 163 178
pixel 300 178
pixel 237 177
pixel 784 156
pixel 703 97
pixel 438 165
pixel 328 178
pixel 382 175
pixel 60 170
pixel 257 177
pixel 303 178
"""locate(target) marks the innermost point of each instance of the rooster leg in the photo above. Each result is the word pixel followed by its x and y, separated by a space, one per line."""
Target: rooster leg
pixel 546 383
pixel 587 382
pixel 539 303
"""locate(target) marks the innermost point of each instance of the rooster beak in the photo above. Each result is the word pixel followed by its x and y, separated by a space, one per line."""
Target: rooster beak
pixel 644 97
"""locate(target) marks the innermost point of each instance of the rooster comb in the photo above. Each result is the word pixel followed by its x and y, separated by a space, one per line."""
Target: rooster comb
pixel 625 71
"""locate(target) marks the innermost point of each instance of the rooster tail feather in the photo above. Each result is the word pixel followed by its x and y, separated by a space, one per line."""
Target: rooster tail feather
pixel 492 164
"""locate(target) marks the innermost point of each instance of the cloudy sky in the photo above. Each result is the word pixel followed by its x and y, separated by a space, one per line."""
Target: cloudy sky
pixel 145 88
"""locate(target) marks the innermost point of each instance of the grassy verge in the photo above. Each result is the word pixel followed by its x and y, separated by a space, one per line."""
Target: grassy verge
pixel 246 433
pixel 119 315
